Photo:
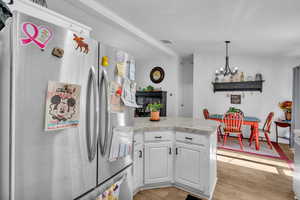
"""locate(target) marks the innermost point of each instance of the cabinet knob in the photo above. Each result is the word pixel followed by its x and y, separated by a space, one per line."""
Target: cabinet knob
pixel 170 150
pixel 141 154
pixel 176 151
pixel 157 137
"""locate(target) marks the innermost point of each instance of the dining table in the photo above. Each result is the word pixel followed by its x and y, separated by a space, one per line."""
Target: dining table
pixel 253 122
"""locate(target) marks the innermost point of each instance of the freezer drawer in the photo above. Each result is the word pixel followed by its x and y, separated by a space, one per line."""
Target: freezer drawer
pixel 125 189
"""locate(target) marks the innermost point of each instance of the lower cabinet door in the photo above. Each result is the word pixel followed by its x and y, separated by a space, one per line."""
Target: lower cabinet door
pixel 189 165
pixel 158 162
pixel 138 167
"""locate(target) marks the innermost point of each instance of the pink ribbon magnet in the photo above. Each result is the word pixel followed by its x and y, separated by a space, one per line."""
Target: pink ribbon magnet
pixel 40 35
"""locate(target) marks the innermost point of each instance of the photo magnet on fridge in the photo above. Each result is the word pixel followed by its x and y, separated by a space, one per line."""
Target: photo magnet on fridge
pixel 62 106
pixel 104 61
pixel 81 44
pixel 58 52
pixel 38 35
pixel 115 97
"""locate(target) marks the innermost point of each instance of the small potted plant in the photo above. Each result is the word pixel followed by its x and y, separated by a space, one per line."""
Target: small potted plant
pixel 286 106
pixel 235 110
pixel 154 109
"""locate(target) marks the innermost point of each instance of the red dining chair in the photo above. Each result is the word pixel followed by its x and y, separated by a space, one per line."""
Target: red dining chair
pixel 266 129
pixel 219 132
pixel 205 113
pixel 232 123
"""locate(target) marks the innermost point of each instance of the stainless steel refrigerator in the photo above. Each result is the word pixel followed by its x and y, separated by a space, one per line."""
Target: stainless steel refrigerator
pixel 64 164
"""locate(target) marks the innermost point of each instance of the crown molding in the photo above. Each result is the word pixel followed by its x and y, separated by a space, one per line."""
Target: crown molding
pixel 35 10
pixel 114 18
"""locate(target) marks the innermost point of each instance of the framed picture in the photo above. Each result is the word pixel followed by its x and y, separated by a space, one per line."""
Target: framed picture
pixel 157 75
pixel 235 99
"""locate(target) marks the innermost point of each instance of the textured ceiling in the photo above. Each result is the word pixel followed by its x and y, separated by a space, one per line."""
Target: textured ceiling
pixel 260 27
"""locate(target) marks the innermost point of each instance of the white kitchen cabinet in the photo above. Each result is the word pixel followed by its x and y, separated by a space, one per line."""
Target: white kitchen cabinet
pixel 158 162
pixel 190 163
pixel 138 167
pixel 182 159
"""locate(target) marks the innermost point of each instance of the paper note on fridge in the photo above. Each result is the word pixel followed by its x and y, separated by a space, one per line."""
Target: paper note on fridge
pixel 121 56
pixel 121 69
pixel 62 106
pixel 132 70
pixel 128 93
pixel 121 145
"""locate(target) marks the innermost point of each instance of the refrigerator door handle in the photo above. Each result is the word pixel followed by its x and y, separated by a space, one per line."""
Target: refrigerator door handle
pixel 104 83
pixel 92 87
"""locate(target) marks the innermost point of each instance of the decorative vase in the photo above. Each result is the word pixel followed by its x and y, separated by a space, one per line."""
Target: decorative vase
pixel 288 115
pixel 242 77
pixel 258 77
pixel 155 116
pixel 216 79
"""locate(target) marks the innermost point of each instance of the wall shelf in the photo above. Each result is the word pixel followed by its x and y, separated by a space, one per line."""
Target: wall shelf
pixel 144 98
pixel 238 86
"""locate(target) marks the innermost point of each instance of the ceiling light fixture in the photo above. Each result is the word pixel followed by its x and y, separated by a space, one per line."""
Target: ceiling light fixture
pixel 227 70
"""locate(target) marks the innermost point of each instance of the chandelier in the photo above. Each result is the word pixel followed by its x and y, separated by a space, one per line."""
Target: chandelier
pixel 226 71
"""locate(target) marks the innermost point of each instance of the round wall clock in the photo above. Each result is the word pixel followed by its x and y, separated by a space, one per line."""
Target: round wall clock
pixel 157 75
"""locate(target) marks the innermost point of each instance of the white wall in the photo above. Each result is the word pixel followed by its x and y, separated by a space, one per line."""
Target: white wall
pixel 186 87
pixel 277 73
pixel 146 55
pixel 104 30
pixel 170 82
pixel 275 87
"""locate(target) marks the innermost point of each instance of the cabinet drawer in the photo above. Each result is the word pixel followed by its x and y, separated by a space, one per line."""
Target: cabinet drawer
pixel 158 136
pixel 191 138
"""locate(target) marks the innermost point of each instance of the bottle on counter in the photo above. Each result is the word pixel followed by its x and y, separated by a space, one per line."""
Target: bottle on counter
pixel 242 77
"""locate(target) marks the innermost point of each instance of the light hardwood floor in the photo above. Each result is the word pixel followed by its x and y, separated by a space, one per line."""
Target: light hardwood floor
pixel 240 177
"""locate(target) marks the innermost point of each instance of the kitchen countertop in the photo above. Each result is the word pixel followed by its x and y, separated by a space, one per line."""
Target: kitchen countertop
pixel 183 124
